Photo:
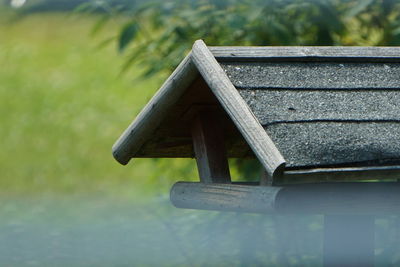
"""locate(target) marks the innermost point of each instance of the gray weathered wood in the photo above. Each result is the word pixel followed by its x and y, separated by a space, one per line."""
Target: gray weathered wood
pixel 224 197
pixel 324 198
pixel 308 53
pixel 349 240
pixel 172 138
pixel 235 106
pixel 150 117
pixel 265 179
pixel 209 148
pixel 341 174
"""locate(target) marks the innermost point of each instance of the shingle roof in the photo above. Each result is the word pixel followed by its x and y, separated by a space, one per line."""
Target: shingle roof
pixel 320 106
pixel 325 113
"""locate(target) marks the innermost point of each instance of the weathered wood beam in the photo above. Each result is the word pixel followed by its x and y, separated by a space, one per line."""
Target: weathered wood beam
pixel 324 198
pixel 240 113
pixel 267 180
pixel 306 53
pixel 226 197
pixel 340 174
pixel 209 148
pixel 150 117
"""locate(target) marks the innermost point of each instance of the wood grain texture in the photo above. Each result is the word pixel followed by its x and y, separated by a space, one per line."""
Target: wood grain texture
pixel 306 53
pixel 237 109
pixel 153 113
pixel 172 138
pixel 324 198
pixel 224 197
pixel 209 148
pixel 341 174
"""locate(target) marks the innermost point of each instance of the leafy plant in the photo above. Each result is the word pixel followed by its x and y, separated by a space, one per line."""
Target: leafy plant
pixel 157 34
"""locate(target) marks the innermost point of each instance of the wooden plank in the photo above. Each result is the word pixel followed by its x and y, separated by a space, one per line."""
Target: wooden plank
pixel 235 106
pixel 224 197
pixel 150 117
pixel 348 240
pixel 209 148
pixel 306 53
pixel 341 174
pixel 324 198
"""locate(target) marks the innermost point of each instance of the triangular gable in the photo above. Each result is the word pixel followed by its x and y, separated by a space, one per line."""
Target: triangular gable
pixel 200 60
pixel 133 138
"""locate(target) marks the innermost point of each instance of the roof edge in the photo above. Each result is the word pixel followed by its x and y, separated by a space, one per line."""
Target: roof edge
pixel 237 109
pixel 133 138
pixel 305 53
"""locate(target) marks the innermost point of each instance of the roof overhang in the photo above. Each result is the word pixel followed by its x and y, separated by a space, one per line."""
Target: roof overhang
pixel 202 62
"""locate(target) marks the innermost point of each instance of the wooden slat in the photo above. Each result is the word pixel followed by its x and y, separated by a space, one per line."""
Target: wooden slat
pixel 235 106
pixel 150 117
pixel 306 53
pixel 324 198
pixel 209 148
pixel 224 197
pixel 341 174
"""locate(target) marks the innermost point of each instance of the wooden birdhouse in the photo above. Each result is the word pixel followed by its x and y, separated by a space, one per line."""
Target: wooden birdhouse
pixel 324 123
pixel 312 116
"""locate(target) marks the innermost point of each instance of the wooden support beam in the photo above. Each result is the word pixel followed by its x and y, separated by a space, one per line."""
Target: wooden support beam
pixel 266 179
pixel 348 240
pixel 305 53
pixel 237 109
pixel 341 174
pixel 209 148
pixel 226 197
pixel 328 198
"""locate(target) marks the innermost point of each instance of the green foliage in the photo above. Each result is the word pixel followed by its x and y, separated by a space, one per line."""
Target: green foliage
pixel 128 33
pixel 159 33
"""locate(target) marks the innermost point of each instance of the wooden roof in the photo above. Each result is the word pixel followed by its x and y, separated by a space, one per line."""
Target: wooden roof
pixel 307 107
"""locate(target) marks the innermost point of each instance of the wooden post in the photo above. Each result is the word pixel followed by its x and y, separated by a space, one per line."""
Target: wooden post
pixel 349 240
pixel 266 179
pixel 209 148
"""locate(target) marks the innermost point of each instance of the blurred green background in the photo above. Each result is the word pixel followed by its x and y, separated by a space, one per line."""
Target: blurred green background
pixel 74 74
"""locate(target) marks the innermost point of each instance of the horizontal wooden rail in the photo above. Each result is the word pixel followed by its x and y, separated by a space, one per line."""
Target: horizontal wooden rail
pixel 341 174
pixel 323 198
pixel 306 53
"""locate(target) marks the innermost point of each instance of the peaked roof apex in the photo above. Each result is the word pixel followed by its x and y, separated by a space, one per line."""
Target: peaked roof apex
pixel 200 60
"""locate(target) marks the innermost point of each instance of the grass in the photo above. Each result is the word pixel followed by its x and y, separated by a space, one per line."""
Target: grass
pixel 63 104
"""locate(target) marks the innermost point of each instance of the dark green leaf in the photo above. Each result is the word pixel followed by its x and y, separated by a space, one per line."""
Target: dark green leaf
pixel 127 35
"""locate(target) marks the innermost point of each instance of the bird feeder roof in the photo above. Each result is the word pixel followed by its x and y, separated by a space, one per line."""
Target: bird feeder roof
pixel 303 107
